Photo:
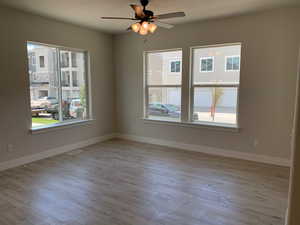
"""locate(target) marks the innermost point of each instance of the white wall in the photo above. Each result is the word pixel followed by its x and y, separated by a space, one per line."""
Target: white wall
pixel 15 29
pixel 268 75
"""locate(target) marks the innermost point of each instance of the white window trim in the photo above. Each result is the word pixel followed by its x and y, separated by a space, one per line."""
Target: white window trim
pixel 213 64
pixel 146 86
pixel 170 66
pixel 232 56
pixel 71 122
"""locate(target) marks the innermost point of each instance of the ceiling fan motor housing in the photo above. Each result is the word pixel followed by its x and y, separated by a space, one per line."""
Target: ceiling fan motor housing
pixel 148 13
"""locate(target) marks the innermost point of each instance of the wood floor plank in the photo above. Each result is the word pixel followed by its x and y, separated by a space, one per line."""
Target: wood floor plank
pixel 128 183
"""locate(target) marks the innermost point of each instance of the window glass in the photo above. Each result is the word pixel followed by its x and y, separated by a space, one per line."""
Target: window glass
pixel 175 66
pixel 215 105
pixel 74 59
pixel 44 86
pixel 75 82
pixel 65 78
pixel 42 61
pixel 233 63
pixel 206 65
pixel 163 89
pixel 74 97
pixel 158 68
pixel 64 59
pixel 164 103
pixel 213 59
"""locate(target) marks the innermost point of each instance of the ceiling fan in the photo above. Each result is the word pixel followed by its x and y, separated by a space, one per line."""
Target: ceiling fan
pixel 147 21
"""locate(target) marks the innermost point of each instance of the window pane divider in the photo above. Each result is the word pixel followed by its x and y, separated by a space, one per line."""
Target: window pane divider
pixel 164 86
pixel 215 85
pixel 58 72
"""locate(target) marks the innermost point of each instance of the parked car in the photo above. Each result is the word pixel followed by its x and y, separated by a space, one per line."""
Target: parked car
pixel 168 110
pixel 54 108
pixel 76 109
pixel 43 103
pixel 159 109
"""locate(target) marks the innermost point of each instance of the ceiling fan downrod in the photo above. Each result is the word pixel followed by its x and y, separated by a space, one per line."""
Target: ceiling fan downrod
pixel 144 3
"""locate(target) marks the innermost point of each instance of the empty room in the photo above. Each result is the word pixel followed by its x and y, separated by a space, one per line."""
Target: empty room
pixel 149 112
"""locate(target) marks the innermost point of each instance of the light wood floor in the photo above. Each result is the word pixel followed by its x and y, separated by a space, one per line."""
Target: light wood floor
pixel 126 183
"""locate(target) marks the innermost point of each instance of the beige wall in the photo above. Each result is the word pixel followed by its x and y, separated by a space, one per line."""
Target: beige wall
pixel 268 76
pixel 16 29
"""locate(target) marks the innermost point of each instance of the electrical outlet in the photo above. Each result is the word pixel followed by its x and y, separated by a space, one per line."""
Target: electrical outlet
pixel 10 147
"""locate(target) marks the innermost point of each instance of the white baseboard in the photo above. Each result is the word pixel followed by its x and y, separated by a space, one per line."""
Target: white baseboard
pixel 52 152
pixel 210 150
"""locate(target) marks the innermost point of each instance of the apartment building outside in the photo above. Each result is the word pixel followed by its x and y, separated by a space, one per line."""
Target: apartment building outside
pixel 43 78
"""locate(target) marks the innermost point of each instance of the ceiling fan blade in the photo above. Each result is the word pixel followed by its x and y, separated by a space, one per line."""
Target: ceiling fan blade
pixel 164 25
pixel 170 15
pixel 117 18
pixel 138 9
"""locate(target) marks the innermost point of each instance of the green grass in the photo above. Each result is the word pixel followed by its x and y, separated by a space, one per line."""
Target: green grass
pixel 44 121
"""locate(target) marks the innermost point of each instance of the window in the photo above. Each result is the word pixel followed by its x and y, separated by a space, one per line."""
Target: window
pixel 212 98
pixel 74 59
pixel 53 99
pixel 64 59
pixel 43 93
pixel 175 66
pixel 65 78
pixel 206 64
pixel 74 79
pixel 232 63
pixel 214 95
pixel 162 92
pixel 42 61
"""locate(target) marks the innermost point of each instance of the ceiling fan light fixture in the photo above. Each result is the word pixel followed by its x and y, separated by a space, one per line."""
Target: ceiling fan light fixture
pixel 152 27
pixel 145 25
pixel 136 27
pixel 143 31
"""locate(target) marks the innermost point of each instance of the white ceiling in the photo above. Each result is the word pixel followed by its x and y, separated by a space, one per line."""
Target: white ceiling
pixel 88 12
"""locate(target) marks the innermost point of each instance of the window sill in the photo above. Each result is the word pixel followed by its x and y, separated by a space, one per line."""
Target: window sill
pixel 206 125
pixel 59 126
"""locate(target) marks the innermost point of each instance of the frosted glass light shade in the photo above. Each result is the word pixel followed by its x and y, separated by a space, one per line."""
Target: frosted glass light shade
pixel 152 27
pixel 143 31
pixel 136 27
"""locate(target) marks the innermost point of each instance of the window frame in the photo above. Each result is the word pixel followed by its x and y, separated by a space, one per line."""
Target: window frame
pixel 232 56
pixel 213 64
pixel 192 87
pixel 146 87
pixel 87 77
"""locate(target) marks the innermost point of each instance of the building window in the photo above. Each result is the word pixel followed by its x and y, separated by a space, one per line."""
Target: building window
pixel 175 66
pixel 64 59
pixel 42 61
pixel 162 93
pixel 43 93
pixel 215 95
pixel 232 63
pixel 206 64
pixel 74 60
pixel 53 99
pixel 65 78
pixel 74 79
